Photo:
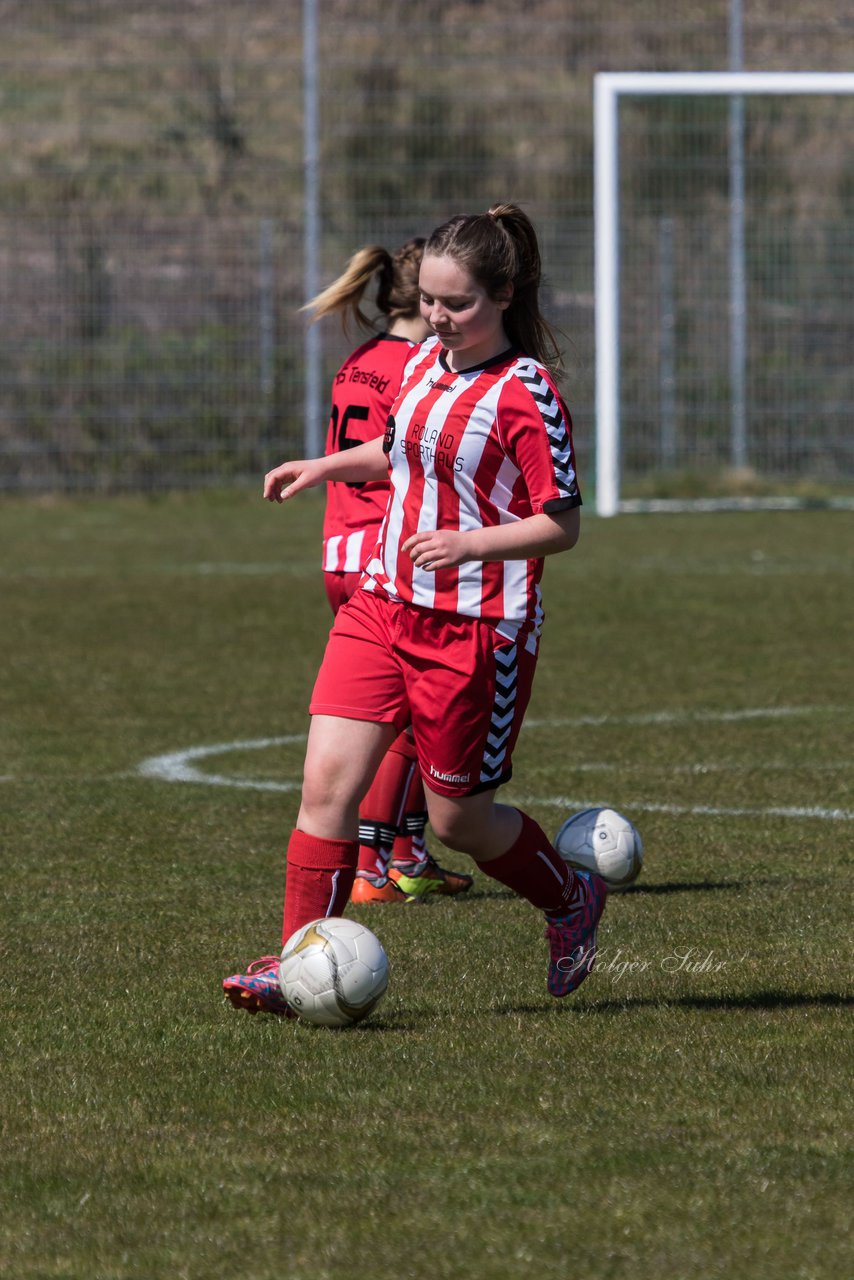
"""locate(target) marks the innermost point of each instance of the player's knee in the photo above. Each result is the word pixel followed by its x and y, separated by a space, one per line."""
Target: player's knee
pixel 324 798
pixel 455 829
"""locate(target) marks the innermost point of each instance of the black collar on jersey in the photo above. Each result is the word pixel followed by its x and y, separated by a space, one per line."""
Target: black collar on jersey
pixel 476 368
pixel 397 337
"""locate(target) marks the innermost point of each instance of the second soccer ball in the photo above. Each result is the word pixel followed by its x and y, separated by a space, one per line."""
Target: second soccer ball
pixel 602 841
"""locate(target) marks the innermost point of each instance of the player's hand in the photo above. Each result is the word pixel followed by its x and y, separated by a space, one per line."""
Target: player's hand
pixel 288 478
pixel 433 549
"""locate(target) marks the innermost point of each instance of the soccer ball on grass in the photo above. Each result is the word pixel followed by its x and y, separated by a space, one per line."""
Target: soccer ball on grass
pixel 333 972
pixel 602 841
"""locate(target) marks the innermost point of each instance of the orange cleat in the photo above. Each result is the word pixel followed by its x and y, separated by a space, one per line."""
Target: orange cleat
pixel 366 889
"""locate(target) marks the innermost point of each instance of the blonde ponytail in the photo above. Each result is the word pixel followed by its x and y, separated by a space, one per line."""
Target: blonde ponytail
pixel 396 278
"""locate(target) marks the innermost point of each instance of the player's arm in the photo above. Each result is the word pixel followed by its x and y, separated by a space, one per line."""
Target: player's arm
pixel 542 534
pixel 364 462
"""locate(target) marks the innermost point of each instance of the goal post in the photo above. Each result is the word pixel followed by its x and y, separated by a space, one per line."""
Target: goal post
pixel 610 89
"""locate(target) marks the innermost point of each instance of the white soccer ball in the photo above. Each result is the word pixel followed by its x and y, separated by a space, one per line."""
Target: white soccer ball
pixel 333 972
pixel 602 841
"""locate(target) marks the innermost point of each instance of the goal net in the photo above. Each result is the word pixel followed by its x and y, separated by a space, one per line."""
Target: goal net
pixel 724 245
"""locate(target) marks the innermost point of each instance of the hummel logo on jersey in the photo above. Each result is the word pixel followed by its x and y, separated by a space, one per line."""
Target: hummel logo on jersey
pixel 436 384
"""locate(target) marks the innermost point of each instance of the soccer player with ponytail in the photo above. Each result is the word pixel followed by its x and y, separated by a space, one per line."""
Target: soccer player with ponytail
pixel 395 864
pixel 443 632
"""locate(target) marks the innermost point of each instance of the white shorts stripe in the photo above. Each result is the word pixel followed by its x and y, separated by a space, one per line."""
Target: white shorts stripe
pixel 330 561
pixel 353 552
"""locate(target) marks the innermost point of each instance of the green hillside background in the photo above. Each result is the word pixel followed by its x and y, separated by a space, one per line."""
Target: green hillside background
pixel 152 212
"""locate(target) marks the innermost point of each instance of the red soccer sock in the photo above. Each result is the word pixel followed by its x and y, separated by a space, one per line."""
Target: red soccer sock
pixel 533 869
pixel 381 812
pixel 410 845
pixel 319 879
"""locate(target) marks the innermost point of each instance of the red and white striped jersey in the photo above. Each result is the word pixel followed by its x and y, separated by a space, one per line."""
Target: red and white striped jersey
pixel 488 446
pixel 362 395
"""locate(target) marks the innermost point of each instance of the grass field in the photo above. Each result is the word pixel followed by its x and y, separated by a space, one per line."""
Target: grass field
pixel 686 1114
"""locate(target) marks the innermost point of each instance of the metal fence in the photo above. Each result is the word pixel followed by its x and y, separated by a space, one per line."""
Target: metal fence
pixel 152 218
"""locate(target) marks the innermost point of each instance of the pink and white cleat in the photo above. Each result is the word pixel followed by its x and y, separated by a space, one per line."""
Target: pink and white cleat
pixel 572 936
pixel 257 990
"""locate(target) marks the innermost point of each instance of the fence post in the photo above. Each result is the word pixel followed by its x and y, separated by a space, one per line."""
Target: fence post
pixel 266 318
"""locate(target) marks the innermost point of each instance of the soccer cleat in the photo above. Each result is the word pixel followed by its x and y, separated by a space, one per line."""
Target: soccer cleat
pixel 257 990
pixel 367 889
pixel 572 936
pixel 416 879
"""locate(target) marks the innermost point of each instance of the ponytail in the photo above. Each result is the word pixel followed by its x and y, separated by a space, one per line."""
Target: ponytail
pixel 344 296
pixel 396 286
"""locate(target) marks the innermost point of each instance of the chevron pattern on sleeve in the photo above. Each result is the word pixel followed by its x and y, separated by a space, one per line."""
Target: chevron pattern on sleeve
pixel 554 422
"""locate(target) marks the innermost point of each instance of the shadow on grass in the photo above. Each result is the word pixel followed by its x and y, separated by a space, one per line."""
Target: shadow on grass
pixel 653 890
pixel 756 1000
pixel 405 1020
pixel 634 890
pixel 679 886
pixel 483 895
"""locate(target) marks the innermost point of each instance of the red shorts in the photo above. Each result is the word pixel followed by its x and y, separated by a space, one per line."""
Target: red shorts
pixel 462 686
pixel 340 587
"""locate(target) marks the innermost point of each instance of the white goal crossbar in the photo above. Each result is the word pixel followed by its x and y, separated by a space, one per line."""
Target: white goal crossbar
pixel 609 87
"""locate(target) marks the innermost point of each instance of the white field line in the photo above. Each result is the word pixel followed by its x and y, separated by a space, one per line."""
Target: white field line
pixel 707 810
pixel 177 766
pixel 180 766
pixel 699 768
pixel 756 564
pixel 203 568
pixel 684 506
pixel 759 566
pixel 685 717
